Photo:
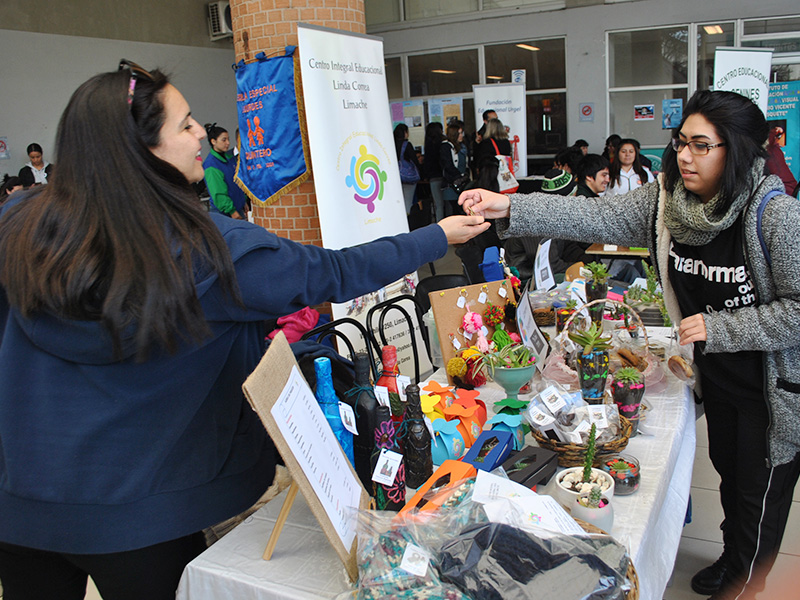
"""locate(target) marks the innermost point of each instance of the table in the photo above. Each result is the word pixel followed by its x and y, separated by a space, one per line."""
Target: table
pixel 599 250
pixel 304 565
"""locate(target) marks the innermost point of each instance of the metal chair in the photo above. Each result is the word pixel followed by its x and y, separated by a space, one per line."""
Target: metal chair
pixel 383 309
pixel 329 330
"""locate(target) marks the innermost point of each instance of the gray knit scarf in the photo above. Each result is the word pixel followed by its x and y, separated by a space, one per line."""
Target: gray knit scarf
pixel 693 222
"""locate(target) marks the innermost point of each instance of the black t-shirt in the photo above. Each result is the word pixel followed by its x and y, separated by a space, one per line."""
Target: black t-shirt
pixel 711 278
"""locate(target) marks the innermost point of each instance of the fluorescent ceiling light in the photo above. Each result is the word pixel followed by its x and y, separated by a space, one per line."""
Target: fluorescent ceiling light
pixel 713 29
pixel 494 77
pixel 444 71
pixel 528 47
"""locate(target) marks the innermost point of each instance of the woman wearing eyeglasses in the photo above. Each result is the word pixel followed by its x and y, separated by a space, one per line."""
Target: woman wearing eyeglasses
pixel 129 319
pixel 737 302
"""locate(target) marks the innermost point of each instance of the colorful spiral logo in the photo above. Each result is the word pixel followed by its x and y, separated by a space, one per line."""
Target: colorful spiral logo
pixel 366 178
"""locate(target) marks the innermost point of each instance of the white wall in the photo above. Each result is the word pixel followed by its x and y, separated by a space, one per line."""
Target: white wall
pixel 39 72
pixel 585 30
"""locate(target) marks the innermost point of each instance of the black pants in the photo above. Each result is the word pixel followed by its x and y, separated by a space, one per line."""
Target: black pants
pixel 152 572
pixel 755 498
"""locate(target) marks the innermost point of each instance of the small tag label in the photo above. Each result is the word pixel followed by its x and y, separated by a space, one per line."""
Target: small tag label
pixel 415 560
pixel 386 467
pixel 456 344
pixel 402 382
pixel 482 298
pixel 382 395
pixel 467 335
pixel 429 425
pixel 485 331
pixel 502 292
pixel 553 400
pixel 461 302
pixel 348 417
pixel 539 418
pixel 597 414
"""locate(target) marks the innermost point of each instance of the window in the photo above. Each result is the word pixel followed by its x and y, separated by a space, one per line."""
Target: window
pixel 622 115
pixel 709 38
pixel 394 77
pixel 380 12
pixel 426 9
pixel 543 60
pixel 443 73
pixel 648 57
pixel 547 122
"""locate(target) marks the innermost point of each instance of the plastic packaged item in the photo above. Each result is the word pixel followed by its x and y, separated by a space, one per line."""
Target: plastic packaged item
pixel 494 561
pixel 446 481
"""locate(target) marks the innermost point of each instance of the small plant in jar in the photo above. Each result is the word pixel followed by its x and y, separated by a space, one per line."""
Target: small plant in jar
pixel 592 361
pixel 627 389
pixel 596 289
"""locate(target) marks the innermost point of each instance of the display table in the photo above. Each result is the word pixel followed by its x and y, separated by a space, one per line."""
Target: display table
pixel 621 251
pixel 304 565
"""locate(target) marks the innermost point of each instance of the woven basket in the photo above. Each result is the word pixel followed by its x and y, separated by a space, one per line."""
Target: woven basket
pixel 572 455
pixel 633 577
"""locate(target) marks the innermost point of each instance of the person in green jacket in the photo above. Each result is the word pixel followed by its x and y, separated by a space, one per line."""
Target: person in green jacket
pixel 220 167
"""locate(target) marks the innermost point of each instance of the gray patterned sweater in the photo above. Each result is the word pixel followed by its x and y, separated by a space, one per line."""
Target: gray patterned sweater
pixel 771 326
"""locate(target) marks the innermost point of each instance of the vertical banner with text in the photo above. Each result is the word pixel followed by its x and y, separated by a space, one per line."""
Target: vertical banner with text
pixel 744 71
pixel 356 174
pixel 508 101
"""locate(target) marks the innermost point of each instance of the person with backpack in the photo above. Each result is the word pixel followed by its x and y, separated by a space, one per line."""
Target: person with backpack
pixel 408 163
pixel 724 238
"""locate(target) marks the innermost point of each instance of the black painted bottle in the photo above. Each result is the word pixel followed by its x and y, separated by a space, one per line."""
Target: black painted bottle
pixel 417 442
pixel 362 398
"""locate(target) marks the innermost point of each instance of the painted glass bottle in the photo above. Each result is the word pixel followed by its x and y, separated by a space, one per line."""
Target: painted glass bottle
pixel 329 403
pixel 388 379
pixel 388 497
pixel 417 442
pixel 362 398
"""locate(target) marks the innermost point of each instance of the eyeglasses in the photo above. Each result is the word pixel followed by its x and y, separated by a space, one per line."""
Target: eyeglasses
pixel 696 148
pixel 136 71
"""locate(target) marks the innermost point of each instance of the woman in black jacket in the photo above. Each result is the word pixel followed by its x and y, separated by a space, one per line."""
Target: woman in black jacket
pixel 37 170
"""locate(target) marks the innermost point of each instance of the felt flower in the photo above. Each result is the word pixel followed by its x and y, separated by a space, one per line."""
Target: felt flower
pixel 456 367
pixel 397 491
pixel 384 435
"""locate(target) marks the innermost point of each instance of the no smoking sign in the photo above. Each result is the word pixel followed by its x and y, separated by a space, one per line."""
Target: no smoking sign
pixel 587 112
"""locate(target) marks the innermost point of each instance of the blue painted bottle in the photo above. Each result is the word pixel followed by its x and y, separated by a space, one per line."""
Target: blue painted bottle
pixel 329 403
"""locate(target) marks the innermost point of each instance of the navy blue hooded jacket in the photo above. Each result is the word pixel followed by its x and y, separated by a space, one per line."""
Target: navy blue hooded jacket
pixel 101 455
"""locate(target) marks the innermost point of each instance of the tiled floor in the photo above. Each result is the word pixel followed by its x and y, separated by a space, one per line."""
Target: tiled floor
pixel 701 543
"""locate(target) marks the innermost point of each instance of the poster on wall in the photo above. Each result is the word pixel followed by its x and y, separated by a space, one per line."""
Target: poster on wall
pixel 671 113
pixel 443 110
pixel 783 115
pixel 508 101
pixel 744 71
pixel 414 118
pixel 644 112
pixel 356 175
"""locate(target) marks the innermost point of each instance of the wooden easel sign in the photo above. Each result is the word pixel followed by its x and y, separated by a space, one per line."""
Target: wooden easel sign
pixel 288 409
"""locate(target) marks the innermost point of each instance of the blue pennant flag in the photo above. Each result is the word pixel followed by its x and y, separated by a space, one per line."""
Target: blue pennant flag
pixel 274 151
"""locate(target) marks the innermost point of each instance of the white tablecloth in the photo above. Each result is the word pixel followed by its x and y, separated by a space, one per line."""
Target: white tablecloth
pixel 304 565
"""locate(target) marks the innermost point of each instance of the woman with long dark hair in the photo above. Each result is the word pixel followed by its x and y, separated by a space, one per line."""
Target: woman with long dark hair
pixel 129 319
pixel 432 166
pixel 409 166
pixel 627 172
pixel 219 169
pixel 454 161
pixel 37 170
pixel 725 249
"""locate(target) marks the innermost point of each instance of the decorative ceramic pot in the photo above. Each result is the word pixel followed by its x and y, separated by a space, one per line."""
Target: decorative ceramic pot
pixel 566 495
pixel 511 379
pixel 592 375
pixel 602 517
pixel 624 469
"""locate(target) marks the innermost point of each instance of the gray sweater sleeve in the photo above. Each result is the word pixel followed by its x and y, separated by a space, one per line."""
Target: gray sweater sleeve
pixel 775 323
pixel 622 220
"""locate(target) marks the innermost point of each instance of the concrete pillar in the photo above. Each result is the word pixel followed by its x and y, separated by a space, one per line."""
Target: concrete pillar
pixel 268 26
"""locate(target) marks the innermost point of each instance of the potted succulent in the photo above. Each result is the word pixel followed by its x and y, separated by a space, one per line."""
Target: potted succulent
pixel 627 389
pixel 592 361
pixel 648 302
pixel 511 367
pixel 595 508
pixel 564 313
pixel 574 481
pixel 596 289
pixel 625 472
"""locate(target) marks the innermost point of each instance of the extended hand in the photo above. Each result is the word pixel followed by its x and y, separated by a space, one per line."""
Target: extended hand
pixel 460 229
pixel 692 329
pixel 485 203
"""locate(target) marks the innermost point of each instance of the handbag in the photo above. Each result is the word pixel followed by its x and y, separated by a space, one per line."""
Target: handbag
pixel 408 172
pixel 506 181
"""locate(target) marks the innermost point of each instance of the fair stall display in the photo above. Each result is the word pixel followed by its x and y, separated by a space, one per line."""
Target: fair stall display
pixel 435 539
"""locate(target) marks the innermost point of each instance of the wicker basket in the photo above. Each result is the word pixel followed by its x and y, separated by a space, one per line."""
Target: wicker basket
pixel 572 455
pixel 633 577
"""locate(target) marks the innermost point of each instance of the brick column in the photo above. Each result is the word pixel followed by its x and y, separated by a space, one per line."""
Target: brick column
pixel 268 26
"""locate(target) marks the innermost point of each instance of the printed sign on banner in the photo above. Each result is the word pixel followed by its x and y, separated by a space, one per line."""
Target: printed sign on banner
pixel 508 101
pixel 744 71
pixel 356 174
pixel 783 115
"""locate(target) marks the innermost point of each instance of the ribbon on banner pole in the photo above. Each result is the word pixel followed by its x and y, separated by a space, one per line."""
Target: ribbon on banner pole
pixel 273 153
